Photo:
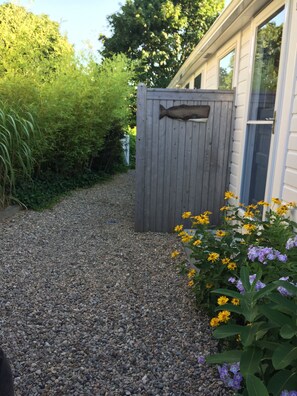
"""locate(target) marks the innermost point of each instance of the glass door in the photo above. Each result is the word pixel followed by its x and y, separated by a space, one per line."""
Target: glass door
pixel 262 108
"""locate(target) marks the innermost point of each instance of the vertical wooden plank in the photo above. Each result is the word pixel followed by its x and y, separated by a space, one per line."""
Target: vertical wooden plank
pixel 223 147
pixel 187 168
pixel 140 157
pixel 214 160
pixel 161 184
pixel 148 166
pixel 155 171
pixel 174 164
pixel 177 210
pixel 207 159
pixel 170 163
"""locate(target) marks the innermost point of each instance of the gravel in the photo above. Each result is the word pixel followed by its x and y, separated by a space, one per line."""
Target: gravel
pixel 90 307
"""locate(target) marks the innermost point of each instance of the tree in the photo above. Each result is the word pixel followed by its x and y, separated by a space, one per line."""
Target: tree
pixel 159 34
pixel 30 44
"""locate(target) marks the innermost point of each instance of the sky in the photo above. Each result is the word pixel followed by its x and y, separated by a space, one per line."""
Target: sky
pixel 81 20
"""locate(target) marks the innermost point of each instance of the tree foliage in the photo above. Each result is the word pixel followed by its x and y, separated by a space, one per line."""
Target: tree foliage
pixel 159 34
pixel 30 45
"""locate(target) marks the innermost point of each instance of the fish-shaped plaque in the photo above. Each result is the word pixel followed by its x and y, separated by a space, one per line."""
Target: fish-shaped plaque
pixel 185 112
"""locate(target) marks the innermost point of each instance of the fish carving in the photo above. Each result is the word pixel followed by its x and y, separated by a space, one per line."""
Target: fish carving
pixel 185 112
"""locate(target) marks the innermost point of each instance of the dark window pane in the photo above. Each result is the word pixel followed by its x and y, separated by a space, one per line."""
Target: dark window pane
pixel 267 56
pixel 197 82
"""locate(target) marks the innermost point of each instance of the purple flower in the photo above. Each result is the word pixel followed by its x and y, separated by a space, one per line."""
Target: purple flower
pixel 230 375
pixel 201 359
pixel 288 393
pixel 223 371
pixel 282 290
pixel 282 257
pixel 291 242
pixel 234 368
pixel 259 285
pixel 265 253
pixel 252 253
pixel 239 285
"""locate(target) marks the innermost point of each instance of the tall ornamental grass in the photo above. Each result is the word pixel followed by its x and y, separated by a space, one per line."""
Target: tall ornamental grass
pixel 17 135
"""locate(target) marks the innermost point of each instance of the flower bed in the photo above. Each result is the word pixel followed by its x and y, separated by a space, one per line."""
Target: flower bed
pixel 245 274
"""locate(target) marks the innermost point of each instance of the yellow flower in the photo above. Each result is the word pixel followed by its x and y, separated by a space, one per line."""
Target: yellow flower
pixel 186 238
pixel 197 242
pixel 220 233
pixel 214 322
pixel 232 266
pixel 223 208
pixel 283 209
pixel 175 254
pixel 276 201
pixel 178 228
pixel 213 257
pixel 235 301
pixel 228 218
pixel 222 300
pixel 263 203
pixel 248 213
pixel 186 215
pixel 229 195
pixel 182 233
pixel 207 213
pixel 250 227
pixel 191 273
pixel 201 219
pixel 191 283
pixel 224 316
pixel 226 261
pixel 292 204
pixel 209 285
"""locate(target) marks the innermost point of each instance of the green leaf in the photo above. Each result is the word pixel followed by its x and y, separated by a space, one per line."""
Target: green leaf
pixel 227 331
pixel 244 276
pixel 231 308
pixel 288 331
pixel 227 292
pixel 275 316
pixel 249 361
pixel 284 379
pixel 284 355
pixel 283 302
pixel 225 357
pixel 255 386
pixel 265 291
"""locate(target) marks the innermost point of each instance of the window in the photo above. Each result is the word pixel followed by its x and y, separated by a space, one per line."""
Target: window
pixel 226 71
pixel 197 81
pixel 187 86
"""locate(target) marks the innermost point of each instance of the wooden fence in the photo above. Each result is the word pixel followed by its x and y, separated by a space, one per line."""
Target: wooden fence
pixel 181 165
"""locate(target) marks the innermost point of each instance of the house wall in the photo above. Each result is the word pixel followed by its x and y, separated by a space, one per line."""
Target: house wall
pixel 290 174
pixel 282 171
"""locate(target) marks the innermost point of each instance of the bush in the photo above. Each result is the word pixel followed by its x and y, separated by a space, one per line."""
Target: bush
pixel 245 274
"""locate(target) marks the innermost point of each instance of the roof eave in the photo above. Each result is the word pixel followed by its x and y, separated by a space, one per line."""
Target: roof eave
pixel 232 19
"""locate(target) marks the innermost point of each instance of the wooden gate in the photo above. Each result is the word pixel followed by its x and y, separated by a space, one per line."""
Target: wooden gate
pixel 181 165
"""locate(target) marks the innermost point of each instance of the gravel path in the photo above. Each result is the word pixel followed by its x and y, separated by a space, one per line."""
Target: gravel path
pixel 89 307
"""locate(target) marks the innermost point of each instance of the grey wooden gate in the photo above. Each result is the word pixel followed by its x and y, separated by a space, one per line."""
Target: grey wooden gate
pixel 181 165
